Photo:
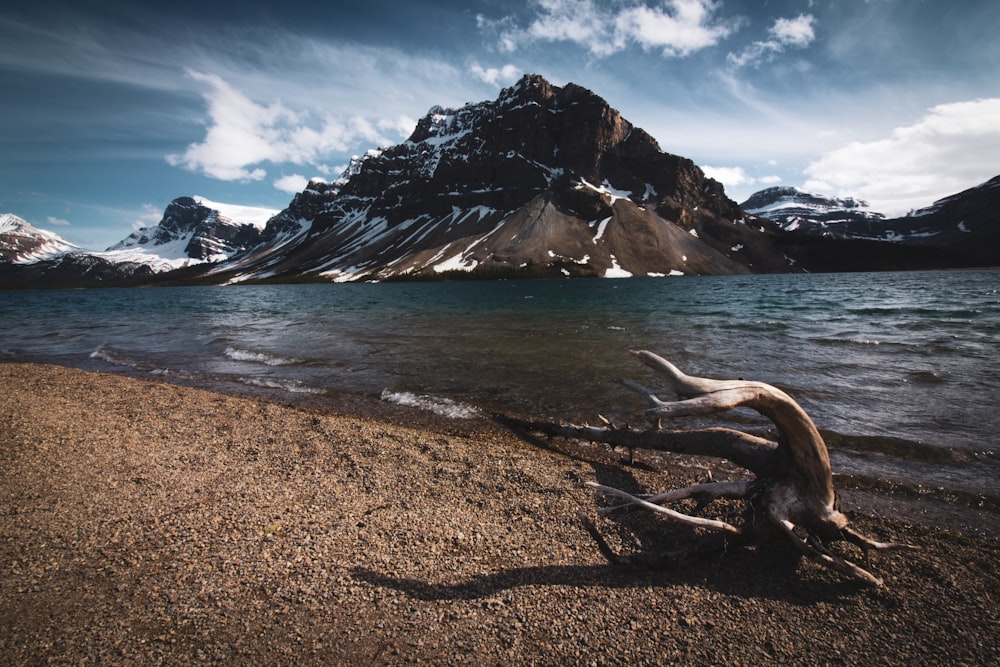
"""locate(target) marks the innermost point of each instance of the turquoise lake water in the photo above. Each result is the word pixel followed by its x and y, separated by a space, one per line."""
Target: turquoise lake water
pixel 911 356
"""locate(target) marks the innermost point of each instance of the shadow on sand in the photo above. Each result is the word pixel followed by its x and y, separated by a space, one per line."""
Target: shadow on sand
pixel 767 571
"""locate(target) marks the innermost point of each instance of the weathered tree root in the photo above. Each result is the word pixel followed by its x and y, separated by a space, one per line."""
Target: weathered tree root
pixel 792 496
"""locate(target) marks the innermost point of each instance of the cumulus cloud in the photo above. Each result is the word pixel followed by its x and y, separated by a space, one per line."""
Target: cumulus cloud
pixel 292 183
pixel 495 76
pixel 784 34
pixel 953 147
pixel 794 32
pixel 244 134
pixel 733 177
pixel 674 27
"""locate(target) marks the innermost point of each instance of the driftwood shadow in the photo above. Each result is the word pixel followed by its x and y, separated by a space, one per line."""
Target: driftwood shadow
pixel 763 573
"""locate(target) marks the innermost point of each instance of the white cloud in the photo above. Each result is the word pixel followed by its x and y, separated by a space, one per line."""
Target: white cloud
pixel 676 27
pixel 794 32
pixel 59 222
pixel 292 183
pixel 953 147
pixel 401 125
pixel 495 76
pixel 732 177
pixel 687 29
pixel 148 216
pixel 785 33
pixel 244 134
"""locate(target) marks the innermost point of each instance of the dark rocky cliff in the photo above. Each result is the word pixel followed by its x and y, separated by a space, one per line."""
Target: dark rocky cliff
pixel 544 180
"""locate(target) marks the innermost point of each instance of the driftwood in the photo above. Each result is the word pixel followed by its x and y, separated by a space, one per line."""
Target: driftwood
pixel 791 497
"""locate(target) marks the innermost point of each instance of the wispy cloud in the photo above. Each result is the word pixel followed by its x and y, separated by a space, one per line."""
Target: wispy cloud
pixel 271 96
pixel 675 27
pixel 952 147
pixel 147 216
pixel 784 34
pixel 244 134
pixel 58 222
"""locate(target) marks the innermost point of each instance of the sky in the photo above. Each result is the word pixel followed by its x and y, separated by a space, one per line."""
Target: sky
pixel 109 110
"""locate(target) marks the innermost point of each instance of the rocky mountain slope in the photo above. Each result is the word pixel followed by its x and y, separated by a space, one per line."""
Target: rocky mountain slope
pixel 794 209
pixel 22 243
pixel 828 234
pixel 543 181
pixel 192 231
pixel 32 257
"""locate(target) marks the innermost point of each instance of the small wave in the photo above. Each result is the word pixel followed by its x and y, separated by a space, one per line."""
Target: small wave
pixel 438 405
pixel 114 358
pixel 292 386
pixel 863 341
pixel 119 359
pixel 237 354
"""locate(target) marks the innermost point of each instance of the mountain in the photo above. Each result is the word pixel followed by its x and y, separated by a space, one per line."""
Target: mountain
pixel 31 257
pixel 192 230
pixel 542 181
pixel 794 209
pixel 21 243
pixel 827 234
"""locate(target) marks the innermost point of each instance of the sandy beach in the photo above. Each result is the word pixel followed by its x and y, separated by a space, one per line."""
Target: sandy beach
pixel 146 523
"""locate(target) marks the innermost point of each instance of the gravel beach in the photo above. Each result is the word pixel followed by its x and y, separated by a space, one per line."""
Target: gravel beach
pixel 147 523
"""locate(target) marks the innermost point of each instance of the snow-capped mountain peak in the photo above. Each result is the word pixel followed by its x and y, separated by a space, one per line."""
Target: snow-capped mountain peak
pixel 22 243
pixel 541 181
pixel 792 208
pixel 960 230
pixel 193 230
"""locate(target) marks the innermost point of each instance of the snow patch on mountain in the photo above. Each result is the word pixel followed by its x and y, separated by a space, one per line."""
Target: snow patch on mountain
pixel 607 189
pixel 160 257
pixel 616 271
pixel 240 214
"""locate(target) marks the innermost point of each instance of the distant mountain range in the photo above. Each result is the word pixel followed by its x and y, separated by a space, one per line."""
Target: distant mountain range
pixel 829 234
pixel 541 182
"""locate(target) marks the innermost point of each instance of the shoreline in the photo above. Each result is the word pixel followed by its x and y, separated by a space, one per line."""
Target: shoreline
pixel 963 511
pixel 148 522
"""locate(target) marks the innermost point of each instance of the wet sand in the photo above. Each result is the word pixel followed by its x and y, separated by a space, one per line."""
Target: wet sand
pixel 146 523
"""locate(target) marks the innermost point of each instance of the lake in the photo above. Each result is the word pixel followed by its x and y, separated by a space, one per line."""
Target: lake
pixel 905 365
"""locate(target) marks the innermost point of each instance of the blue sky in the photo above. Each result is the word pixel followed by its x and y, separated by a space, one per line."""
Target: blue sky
pixel 109 110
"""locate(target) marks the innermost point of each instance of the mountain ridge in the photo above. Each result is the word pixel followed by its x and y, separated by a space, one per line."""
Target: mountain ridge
pixel 543 181
pixel 457 193
pixel 957 231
